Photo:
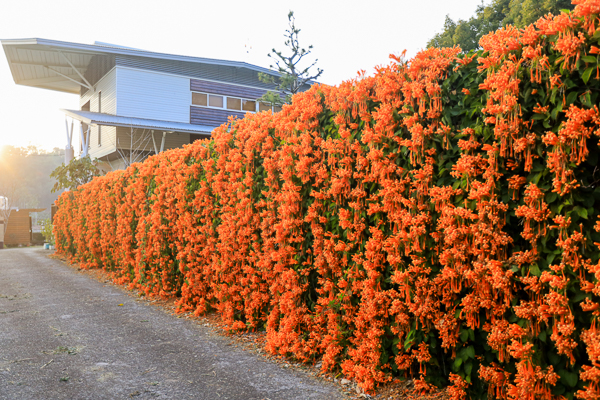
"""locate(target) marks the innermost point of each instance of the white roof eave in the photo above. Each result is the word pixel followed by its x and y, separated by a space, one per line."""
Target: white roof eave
pixel 94 118
pixel 102 49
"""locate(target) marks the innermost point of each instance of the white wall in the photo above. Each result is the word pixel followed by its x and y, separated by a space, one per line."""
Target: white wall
pixel 109 141
pixel 152 95
pixel 108 86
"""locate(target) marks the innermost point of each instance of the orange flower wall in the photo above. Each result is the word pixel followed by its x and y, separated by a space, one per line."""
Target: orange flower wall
pixel 436 220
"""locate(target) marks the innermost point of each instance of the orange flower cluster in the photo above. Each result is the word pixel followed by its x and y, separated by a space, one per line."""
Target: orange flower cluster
pixel 435 220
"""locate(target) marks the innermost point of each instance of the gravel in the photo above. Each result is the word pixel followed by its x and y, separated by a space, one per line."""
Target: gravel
pixel 64 335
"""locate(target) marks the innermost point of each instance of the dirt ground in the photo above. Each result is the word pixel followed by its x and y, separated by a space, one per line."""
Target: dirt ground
pixel 64 335
pixel 67 333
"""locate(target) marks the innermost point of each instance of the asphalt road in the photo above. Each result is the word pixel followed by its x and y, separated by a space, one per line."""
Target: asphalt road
pixel 63 335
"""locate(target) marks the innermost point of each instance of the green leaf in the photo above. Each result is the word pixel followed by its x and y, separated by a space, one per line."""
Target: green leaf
pixel 457 362
pixel 468 368
pixel 550 197
pixel 471 351
pixel 578 297
pixel 568 378
pixel 558 389
pixel 571 98
pixel 409 339
pixel 589 59
pixel 553 95
pixel 587 73
pixel 582 212
pixel 586 99
pixel 553 358
pixel 556 110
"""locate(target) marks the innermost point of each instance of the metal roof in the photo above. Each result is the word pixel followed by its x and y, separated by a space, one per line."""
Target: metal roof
pixel 94 118
pixel 57 65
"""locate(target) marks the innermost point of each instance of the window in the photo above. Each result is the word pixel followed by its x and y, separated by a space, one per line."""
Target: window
pixel 230 103
pixel 199 99
pixel 215 101
pixel 234 103
pixel 248 105
pixel 263 107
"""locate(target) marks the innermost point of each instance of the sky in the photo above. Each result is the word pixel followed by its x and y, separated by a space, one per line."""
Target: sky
pixel 347 36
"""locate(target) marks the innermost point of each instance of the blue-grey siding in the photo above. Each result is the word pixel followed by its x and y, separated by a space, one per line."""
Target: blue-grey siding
pixel 210 116
pixel 222 73
pixel 98 67
pixel 225 89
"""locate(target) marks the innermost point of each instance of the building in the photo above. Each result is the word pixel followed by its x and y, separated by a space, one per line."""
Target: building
pixel 133 103
pixel 19 231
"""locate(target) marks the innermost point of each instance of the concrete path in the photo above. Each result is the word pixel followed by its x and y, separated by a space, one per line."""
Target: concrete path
pixel 63 335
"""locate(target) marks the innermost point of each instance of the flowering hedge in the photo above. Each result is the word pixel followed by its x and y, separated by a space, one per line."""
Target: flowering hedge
pixel 438 219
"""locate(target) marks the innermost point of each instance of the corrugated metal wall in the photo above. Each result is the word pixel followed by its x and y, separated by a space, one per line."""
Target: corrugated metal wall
pixel 211 116
pixel 234 75
pixel 145 94
pixel 109 140
pixel 98 67
pixel 225 89
pixel 108 86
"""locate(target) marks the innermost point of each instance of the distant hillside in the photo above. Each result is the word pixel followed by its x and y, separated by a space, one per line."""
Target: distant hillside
pixel 29 169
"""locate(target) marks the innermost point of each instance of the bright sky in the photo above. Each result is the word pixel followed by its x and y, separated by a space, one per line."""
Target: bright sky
pixel 347 36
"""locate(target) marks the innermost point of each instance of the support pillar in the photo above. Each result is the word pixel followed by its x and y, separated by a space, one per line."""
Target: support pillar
pixel 69 152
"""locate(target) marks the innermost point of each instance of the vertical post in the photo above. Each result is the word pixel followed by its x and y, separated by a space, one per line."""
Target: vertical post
pixel 131 146
pixel 154 142
pixel 82 138
pixel 69 153
pixel 162 142
pixel 85 140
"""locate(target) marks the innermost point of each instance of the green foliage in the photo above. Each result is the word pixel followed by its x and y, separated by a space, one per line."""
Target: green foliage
pixel 463 276
pixel 524 12
pixel 292 78
pixel 47 231
pixel 488 18
pixel 76 173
